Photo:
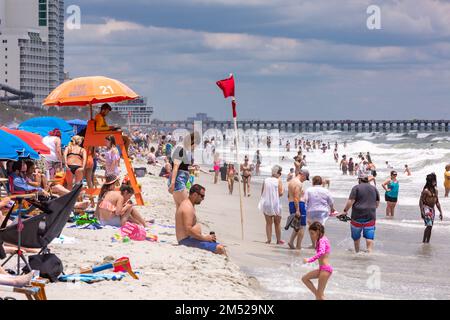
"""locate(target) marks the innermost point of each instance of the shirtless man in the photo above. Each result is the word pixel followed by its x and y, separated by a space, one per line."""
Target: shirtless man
pixel 428 200
pixel 188 231
pixel 246 172
pixel 296 194
pixel 298 159
pixel 344 165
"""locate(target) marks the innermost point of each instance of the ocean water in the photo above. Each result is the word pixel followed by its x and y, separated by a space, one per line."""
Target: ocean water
pixel 401 267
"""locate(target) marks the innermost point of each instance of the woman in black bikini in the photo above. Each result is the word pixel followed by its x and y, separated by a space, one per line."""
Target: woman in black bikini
pixel 75 159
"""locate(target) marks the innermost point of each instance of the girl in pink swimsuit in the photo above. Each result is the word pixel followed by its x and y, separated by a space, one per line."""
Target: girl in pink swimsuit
pixel 317 231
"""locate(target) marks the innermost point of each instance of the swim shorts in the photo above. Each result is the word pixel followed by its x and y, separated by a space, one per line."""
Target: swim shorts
pixel 429 216
pixel 180 181
pixel 367 228
pixel 390 199
pixel 194 243
pixel 302 206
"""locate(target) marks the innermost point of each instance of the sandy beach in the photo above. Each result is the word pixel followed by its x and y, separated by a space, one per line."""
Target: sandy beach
pixel 165 269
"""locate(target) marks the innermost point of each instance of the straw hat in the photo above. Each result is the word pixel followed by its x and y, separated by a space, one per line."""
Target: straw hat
pixel 111 178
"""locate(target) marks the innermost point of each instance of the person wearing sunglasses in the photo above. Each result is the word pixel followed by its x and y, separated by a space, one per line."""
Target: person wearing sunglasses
pixel 391 186
pixel 188 230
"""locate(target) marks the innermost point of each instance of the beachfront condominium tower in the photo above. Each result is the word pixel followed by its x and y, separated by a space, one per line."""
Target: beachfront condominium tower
pixel 32 45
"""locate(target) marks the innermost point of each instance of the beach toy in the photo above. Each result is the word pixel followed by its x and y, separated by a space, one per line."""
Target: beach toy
pixel 151 237
pixel 120 265
pixel 133 231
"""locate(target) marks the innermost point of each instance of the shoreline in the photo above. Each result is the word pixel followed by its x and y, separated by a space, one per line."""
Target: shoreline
pixel 278 269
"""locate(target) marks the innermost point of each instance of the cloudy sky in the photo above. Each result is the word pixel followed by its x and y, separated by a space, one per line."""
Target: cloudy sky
pixel 292 59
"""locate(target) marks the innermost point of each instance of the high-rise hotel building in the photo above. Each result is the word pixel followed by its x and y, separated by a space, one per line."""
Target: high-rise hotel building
pixel 32 45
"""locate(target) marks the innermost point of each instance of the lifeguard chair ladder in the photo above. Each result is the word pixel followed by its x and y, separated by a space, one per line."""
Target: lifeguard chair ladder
pixel 97 139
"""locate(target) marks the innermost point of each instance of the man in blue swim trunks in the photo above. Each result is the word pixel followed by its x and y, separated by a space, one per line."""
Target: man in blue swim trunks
pixel 188 231
pixel 296 193
pixel 364 200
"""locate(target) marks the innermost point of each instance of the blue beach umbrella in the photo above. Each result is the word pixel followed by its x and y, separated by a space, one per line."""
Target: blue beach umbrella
pixel 13 148
pixel 43 125
pixel 77 125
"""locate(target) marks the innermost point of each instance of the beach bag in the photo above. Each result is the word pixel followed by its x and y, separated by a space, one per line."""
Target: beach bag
pixel 49 265
pixel 133 231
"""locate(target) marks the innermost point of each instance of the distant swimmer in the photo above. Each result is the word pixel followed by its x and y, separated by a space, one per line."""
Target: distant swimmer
pixel 344 165
pixel 447 180
pixel 407 171
pixel 336 155
pixel 326 182
pixel 351 167
pixel 298 159
pixel 290 174
pixel 428 200
pixel 388 166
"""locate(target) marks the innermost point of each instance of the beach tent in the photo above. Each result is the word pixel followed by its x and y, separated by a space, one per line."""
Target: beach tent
pixel 43 125
pixel 13 148
pixel 77 125
pixel 32 139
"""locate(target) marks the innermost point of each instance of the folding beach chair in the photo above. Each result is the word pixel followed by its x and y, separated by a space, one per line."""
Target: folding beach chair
pixel 36 291
pixel 40 230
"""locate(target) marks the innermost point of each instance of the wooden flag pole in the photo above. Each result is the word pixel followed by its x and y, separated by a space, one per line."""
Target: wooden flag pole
pixel 233 103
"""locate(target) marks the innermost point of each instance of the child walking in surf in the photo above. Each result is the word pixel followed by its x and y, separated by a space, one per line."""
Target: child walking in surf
pixel 317 231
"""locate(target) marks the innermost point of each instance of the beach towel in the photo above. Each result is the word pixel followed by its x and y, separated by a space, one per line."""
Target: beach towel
pixel 90 277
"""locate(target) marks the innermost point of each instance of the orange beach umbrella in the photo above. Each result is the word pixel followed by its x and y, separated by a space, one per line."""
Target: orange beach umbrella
pixel 86 91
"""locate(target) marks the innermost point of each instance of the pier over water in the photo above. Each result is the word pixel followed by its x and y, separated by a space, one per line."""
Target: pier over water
pixel 316 125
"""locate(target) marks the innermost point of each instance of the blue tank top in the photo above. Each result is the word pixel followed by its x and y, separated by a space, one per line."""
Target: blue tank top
pixel 394 186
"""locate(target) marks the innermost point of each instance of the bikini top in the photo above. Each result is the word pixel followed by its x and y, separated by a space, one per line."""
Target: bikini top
pixel 76 154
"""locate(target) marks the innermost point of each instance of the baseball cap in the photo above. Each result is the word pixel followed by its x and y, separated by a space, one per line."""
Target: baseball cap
pixel 304 172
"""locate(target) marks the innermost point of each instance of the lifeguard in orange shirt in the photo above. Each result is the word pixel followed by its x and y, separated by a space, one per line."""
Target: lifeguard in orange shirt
pixel 101 125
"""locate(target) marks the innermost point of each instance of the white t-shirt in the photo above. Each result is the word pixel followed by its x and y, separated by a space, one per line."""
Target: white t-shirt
pixel 318 199
pixel 50 142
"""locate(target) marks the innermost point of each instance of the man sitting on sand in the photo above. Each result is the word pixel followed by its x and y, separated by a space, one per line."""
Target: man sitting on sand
pixel 188 231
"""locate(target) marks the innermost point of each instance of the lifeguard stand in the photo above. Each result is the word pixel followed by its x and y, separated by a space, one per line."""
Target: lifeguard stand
pixel 95 138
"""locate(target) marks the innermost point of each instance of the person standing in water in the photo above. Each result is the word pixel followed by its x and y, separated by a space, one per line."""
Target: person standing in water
pixel 391 186
pixel 258 160
pixel 407 171
pixel 323 274
pixel 428 200
pixel 351 167
pixel 447 180
pixel 344 165
pixel 270 203
pixel 364 200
